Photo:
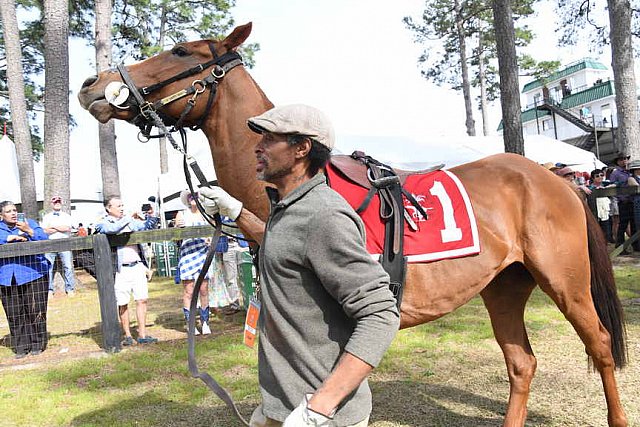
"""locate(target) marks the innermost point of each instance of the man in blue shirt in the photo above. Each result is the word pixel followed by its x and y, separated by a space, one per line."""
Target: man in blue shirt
pixel 24 284
pixel 132 270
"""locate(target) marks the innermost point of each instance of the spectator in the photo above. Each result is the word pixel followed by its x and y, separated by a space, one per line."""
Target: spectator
pixel 327 312
pixel 131 267
pixel 223 297
pixel 57 224
pixel 24 284
pixel 620 177
pixel 237 245
pixel 230 266
pixel 82 232
pixel 570 175
pixel 613 213
pixel 193 253
pixel 603 204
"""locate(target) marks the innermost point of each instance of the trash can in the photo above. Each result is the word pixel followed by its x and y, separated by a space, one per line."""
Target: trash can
pixel 245 276
pixel 166 254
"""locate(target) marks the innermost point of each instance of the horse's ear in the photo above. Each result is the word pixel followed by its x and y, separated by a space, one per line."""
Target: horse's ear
pixel 237 36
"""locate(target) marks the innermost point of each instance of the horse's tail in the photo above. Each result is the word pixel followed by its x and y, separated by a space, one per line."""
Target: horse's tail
pixel 604 292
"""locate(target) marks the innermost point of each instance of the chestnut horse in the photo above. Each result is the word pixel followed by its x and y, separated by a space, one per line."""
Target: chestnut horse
pixel 533 228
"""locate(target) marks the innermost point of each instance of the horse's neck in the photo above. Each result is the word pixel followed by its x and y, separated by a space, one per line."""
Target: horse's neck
pixel 232 143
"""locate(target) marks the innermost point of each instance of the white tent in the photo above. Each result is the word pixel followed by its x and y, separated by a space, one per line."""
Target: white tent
pixel 407 153
pixel 10 188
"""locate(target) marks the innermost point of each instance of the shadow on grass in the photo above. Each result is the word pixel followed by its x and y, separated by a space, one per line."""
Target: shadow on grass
pixel 153 409
pixel 416 404
pixel 405 403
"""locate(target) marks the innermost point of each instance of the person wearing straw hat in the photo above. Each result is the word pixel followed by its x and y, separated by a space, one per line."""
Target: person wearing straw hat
pixel 327 314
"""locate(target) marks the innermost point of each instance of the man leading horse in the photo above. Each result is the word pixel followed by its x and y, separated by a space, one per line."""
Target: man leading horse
pixel 327 314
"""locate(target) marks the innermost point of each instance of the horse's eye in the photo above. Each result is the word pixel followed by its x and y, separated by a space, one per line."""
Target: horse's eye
pixel 180 51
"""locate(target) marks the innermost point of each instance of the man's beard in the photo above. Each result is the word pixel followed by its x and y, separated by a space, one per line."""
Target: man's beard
pixel 269 176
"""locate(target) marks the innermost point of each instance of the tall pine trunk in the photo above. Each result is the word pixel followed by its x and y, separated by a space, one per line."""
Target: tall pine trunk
pixel 509 88
pixel 18 106
pixel 464 67
pixel 56 102
pixel 106 131
pixel 482 81
pixel 624 77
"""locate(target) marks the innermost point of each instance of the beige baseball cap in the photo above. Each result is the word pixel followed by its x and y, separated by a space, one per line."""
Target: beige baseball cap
pixel 295 119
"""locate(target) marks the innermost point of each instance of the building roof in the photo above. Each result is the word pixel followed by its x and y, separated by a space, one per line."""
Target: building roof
pixel 597 91
pixel 583 64
pixel 529 115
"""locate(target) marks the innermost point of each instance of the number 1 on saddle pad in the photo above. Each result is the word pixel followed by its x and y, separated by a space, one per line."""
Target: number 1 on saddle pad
pixel 251 322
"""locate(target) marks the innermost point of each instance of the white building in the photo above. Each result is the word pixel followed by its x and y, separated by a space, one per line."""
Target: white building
pixel 575 104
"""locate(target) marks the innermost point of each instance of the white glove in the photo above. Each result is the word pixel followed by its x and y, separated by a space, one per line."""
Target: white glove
pixel 302 416
pixel 215 200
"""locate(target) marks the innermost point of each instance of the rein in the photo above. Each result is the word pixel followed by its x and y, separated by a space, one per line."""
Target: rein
pixel 148 117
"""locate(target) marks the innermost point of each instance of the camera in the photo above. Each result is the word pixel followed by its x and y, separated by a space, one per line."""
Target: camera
pixel 146 207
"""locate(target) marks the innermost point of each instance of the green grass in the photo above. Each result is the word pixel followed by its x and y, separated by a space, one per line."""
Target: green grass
pixel 448 372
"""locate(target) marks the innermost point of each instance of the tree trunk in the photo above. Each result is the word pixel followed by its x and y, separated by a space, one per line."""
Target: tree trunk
pixel 464 67
pixel 483 89
pixel 509 88
pixel 106 132
pixel 56 102
pixel 18 106
pixel 624 77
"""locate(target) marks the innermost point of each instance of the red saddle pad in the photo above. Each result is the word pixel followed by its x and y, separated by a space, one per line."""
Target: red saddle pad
pixel 450 231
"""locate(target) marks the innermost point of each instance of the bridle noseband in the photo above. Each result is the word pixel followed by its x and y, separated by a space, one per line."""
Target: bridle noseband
pixel 150 112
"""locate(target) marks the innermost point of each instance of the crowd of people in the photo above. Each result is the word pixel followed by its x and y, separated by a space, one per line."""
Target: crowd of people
pixel 27 282
pixel 616 214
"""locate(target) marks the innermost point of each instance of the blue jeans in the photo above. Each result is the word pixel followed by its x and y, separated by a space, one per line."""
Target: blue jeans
pixel 67 267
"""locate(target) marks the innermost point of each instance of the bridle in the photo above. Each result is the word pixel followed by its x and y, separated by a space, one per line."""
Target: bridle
pixel 127 95
pixel 145 120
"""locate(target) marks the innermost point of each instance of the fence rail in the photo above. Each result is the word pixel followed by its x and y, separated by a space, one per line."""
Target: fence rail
pixel 101 246
pixel 82 243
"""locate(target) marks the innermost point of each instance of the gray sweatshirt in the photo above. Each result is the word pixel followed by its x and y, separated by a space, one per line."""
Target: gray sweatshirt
pixel 322 294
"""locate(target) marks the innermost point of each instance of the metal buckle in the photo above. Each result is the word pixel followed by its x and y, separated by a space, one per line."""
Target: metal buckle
pixel 218 69
pixel 145 108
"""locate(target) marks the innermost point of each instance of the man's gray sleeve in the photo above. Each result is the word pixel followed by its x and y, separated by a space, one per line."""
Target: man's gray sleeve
pixel 337 254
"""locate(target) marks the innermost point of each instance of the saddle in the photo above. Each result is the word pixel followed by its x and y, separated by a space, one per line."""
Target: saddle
pixel 387 183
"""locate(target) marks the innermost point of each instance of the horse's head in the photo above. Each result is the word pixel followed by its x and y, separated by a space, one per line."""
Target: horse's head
pixel 167 82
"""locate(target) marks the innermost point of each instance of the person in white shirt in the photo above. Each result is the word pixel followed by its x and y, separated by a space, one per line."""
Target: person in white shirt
pixel 57 224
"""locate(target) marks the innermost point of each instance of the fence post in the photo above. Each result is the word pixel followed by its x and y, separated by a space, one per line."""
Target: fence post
pixel 105 277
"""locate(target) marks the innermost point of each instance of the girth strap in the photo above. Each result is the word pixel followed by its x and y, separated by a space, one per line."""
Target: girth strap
pixel 386 183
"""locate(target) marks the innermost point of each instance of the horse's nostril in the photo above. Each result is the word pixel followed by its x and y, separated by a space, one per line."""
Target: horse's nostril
pixel 91 80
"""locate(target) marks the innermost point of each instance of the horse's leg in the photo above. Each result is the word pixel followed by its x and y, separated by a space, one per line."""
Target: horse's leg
pixel 577 306
pixel 505 299
pixel 577 284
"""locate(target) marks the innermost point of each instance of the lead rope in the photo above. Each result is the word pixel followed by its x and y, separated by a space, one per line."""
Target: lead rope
pixel 216 222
